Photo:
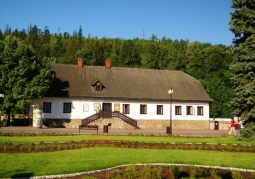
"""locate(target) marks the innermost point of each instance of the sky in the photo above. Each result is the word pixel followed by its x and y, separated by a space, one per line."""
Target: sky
pixel 205 21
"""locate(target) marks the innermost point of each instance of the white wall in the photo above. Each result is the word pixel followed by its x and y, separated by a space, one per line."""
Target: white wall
pixel 79 113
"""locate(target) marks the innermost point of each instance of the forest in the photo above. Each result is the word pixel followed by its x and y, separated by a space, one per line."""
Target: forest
pixel 206 62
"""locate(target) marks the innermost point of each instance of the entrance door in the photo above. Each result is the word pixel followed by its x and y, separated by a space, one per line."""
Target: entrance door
pixel 107 110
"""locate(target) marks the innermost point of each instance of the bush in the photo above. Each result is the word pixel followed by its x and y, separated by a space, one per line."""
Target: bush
pixel 236 174
pixel 248 132
pixel 176 171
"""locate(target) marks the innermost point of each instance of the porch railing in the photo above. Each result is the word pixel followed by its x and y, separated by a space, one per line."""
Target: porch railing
pixel 92 118
pixel 114 114
pixel 125 118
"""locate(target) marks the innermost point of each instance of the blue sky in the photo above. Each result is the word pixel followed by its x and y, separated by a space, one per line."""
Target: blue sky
pixel 202 20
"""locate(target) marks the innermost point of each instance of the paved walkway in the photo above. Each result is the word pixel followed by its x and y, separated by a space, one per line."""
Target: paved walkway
pixel 116 131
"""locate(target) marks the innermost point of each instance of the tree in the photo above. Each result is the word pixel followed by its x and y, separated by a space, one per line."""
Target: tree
pixel 1 35
pixel 216 79
pixel 22 76
pixel 196 63
pixel 128 54
pixel 242 24
pixel 33 35
pixel 177 55
pixel 46 35
pixel 80 36
pixel 151 58
pixel 57 47
pixel 7 31
pixel 98 52
pixel 73 47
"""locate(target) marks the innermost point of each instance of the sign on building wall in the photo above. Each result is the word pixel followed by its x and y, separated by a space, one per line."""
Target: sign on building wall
pixel 117 107
pixel 97 107
pixel 85 108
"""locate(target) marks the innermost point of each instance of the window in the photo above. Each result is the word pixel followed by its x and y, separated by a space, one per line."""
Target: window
pixel 200 111
pixel 143 109
pixel 67 107
pixel 189 110
pixel 159 109
pixel 98 87
pixel 125 108
pixel 46 107
pixel 178 110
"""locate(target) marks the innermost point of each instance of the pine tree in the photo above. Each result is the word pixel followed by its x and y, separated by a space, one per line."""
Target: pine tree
pixel 242 24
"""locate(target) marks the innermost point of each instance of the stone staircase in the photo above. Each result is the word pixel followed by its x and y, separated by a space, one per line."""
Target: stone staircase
pixel 119 115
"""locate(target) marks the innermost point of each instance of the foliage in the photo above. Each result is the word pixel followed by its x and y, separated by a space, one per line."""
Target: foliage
pixel 242 25
pixel 208 63
pixel 23 77
pixel 248 132
pixel 236 174
pixel 253 175
pixel 176 171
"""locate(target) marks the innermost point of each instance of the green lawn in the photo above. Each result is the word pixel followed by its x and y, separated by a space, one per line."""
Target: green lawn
pixel 152 138
pixel 87 159
pixel 80 160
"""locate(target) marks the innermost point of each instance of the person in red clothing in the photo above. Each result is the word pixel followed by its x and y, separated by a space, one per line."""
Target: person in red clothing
pixel 232 127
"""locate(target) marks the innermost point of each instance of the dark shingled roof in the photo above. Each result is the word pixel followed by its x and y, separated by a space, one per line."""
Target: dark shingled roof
pixel 125 83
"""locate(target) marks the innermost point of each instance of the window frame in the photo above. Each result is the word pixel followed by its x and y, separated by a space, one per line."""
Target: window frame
pixel 126 108
pixel 200 111
pixel 47 107
pixel 189 110
pixel 159 109
pixel 67 107
pixel 143 109
pixel 178 110
pixel 98 87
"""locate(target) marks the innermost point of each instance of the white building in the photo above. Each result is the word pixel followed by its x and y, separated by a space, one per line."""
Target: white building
pixel 125 97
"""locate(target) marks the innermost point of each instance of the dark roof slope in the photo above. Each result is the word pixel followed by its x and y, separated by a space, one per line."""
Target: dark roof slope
pixel 125 83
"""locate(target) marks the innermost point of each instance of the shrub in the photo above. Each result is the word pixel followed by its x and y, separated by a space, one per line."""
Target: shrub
pixel 236 174
pixel 193 171
pixel 130 172
pixel 253 175
pixel 116 173
pixel 146 172
pixel 176 171
pixel 157 172
pixel 214 174
pixel 248 132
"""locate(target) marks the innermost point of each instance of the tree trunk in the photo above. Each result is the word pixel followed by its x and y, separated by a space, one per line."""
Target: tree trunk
pixel 8 113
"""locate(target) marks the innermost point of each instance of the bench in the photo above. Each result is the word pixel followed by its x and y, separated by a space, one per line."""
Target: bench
pixel 88 127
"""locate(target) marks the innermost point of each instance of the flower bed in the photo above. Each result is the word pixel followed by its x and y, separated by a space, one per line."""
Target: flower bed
pixel 10 147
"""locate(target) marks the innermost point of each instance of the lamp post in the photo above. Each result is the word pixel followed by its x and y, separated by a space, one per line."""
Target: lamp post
pixel 1 96
pixel 170 92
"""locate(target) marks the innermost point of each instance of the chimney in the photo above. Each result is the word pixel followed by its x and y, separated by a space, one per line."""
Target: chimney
pixel 107 63
pixel 79 63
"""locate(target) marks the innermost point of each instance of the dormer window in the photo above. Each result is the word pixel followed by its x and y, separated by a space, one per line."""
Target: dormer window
pixel 98 86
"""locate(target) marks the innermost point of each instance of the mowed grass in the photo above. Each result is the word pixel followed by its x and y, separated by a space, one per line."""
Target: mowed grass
pixel 89 159
pixel 146 138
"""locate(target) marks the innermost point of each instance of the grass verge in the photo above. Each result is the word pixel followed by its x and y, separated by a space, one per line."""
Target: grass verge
pixel 88 159
pixel 148 138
